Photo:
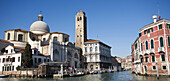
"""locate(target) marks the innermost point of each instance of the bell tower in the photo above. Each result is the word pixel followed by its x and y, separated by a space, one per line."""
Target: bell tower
pixel 80 29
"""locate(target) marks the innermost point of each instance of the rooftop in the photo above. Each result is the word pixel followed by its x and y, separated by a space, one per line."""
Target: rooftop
pixel 17 30
pixel 158 21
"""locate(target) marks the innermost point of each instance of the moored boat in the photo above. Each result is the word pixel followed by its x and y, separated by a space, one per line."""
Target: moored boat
pixel 3 76
pixel 109 71
pixel 99 72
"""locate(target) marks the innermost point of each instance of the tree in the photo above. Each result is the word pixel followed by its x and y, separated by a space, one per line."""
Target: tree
pixel 18 68
pixel 27 61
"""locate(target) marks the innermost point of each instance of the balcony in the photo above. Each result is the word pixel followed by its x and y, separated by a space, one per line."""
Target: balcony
pixel 152 50
pixel 7 62
pixel 146 52
pixel 161 49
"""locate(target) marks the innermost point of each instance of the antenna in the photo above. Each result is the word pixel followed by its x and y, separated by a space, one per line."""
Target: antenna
pixel 40 12
pixel 158 11
pixel 97 37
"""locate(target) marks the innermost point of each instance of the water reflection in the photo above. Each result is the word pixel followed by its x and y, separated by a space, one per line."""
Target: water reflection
pixel 116 76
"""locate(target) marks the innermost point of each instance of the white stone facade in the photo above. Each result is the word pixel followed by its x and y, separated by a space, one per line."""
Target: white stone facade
pixel 12 58
pixel 55 45
pixel 97 55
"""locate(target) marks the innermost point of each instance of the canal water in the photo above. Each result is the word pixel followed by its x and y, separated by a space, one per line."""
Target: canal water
pixel 116 76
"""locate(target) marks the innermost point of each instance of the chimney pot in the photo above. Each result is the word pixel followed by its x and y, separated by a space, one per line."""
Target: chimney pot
pixel 154 18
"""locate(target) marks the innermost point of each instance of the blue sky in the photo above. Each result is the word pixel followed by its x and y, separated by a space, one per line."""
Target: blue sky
pixel 114 22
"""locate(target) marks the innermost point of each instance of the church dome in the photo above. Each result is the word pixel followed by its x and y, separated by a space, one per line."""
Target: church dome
pixel 39 27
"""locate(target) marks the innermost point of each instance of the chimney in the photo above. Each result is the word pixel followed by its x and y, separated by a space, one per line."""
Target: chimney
pixel 154 18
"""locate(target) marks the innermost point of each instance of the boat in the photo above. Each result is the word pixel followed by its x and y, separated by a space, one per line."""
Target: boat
pixel 3 76
pixel 109 71
pixel 80 74
pixel 72 75
pixel 99 72
pixel 93 72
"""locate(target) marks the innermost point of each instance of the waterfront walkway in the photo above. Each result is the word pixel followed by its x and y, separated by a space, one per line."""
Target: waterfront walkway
pixel 116 76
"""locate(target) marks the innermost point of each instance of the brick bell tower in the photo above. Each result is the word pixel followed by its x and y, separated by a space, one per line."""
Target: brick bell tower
pixel 80 29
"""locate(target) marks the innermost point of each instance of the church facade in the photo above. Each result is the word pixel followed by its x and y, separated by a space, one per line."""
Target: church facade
pixel 55 46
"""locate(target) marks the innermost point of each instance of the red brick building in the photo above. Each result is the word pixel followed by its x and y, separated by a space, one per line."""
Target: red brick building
pixel 153 48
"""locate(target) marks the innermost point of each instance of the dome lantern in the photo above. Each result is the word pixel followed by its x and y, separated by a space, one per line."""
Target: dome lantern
pixel 39 27
pixel 40 17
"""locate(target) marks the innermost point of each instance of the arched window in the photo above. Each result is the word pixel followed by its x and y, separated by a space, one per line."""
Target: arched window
pixel 163 57
pixel 44 39
pixel 33 39
pixel 141 47
pixel 152 44
pixel 153 58
pixel 8 36
pixel 161 42
pixel 39 60
pixel 91 49
pixel 85 49
pixel 77 18
pixel 96 48
pixel 20 36
pixel 168 41
pixel 146 44
pixel 55 38
pixel 80 18
pixel 76 56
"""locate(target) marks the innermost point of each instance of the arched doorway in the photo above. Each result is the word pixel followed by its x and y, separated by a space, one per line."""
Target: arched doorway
pixel 91 67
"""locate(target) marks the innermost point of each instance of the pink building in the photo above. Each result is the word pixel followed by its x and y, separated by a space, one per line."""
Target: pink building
pixel 152 49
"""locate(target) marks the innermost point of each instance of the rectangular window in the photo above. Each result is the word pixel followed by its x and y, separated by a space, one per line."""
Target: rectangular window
pixel 153 58
pixel 148 30
pixel 13 59
pixel 91 49
pixel 12 68
pixel 164 67
pixel 145 32
pixel 136 46
pixel 168 26
pixel 96 57
pixel 39 60
pixel 18 59
pixel 141 60
pixel 146 43
pixel 2 68
pixel 152 44
pixel 154 67
pixel 151 29
pixel 169 41
pixel 160 26
pixel 44 60
pixel 35 60
pixel 3 60
pixel 140 34
pixel 8 36
pixel 141 47
pixel 163 57
pixel 6 51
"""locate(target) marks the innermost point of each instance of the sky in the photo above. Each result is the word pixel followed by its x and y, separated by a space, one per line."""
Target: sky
pixel 114 22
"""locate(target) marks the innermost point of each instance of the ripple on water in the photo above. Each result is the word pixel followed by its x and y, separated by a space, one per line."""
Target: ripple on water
pixel 116 76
